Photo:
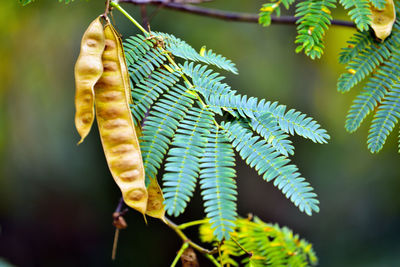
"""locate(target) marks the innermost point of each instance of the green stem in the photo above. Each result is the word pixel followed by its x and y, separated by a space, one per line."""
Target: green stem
pixel 184 238
pixel 186 80
pixel 213 260
pixel 192 223
pixel 250 254
pixel 137 24
pixel 179 254
pixel 219 253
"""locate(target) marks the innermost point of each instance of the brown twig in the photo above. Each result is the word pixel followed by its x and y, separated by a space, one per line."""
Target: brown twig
pixel 119 223
pixel 119 212
pixel 115 243
pixel 224 15
pixel 105 14
pixel 145 18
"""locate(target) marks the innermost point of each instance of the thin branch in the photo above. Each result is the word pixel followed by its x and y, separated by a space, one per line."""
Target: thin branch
pixel 120 204
pixel 115 243
pixel 220 254
pixel 119 223
pixel 118 213
pixel 120 9
pixel 179 254
pixel 213 260
pixel 184 238
pixel 145 18
pixel 192 223
pixel 225 15
pixel 107 9
pixel 250 254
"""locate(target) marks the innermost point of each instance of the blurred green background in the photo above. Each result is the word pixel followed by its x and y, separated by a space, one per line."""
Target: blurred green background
pixel 56 199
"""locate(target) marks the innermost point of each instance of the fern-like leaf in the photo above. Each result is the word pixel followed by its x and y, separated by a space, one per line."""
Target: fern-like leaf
pixel 267 126
pixel 364 60
pixel 219 96
pixel 359 12
pixel 361 66
pixel 372 94
pixel 229 249
pixel 135 47
pixel 384 120
pixel 179 128
pixel 149 90
pixel 272 166
pixel 160 126
pixel 270 252
pixel 379 94
pixel 205 81
pixel 268 9
pixel 379 4
pixel 181 49
pixel 269 244
pixel 146 64
pixel 357 43
pixel 315 18
pixel 218 185
pixel 183 160
pixel 291 121
pixel 295 121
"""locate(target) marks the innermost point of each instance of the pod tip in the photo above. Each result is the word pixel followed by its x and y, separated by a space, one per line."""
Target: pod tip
pixel 80 141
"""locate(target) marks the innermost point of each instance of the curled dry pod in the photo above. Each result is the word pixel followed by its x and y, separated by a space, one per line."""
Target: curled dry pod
pixel 155 201
pixel 116 127
pixel 88 69
pixel 382 20
pixel 124 68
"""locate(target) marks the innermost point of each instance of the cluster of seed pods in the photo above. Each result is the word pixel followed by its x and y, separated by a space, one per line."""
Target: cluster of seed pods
pixel 102 85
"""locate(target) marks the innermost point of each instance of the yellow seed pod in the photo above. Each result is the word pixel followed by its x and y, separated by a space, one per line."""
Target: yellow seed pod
pixel 155 202
pixel 88 69
pixel 116 127
pixel 382 20
pixel 124 68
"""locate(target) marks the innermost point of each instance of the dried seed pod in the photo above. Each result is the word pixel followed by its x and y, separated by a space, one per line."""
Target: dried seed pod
pixel 382 20
pixel 124 69
pixel 88 69
pixel 155 206
pixel 116 126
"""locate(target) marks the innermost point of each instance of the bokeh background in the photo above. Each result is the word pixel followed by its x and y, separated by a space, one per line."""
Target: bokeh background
pixel 56 199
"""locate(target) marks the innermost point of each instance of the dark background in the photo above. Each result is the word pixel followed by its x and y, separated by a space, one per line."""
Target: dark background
pixel 56 199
